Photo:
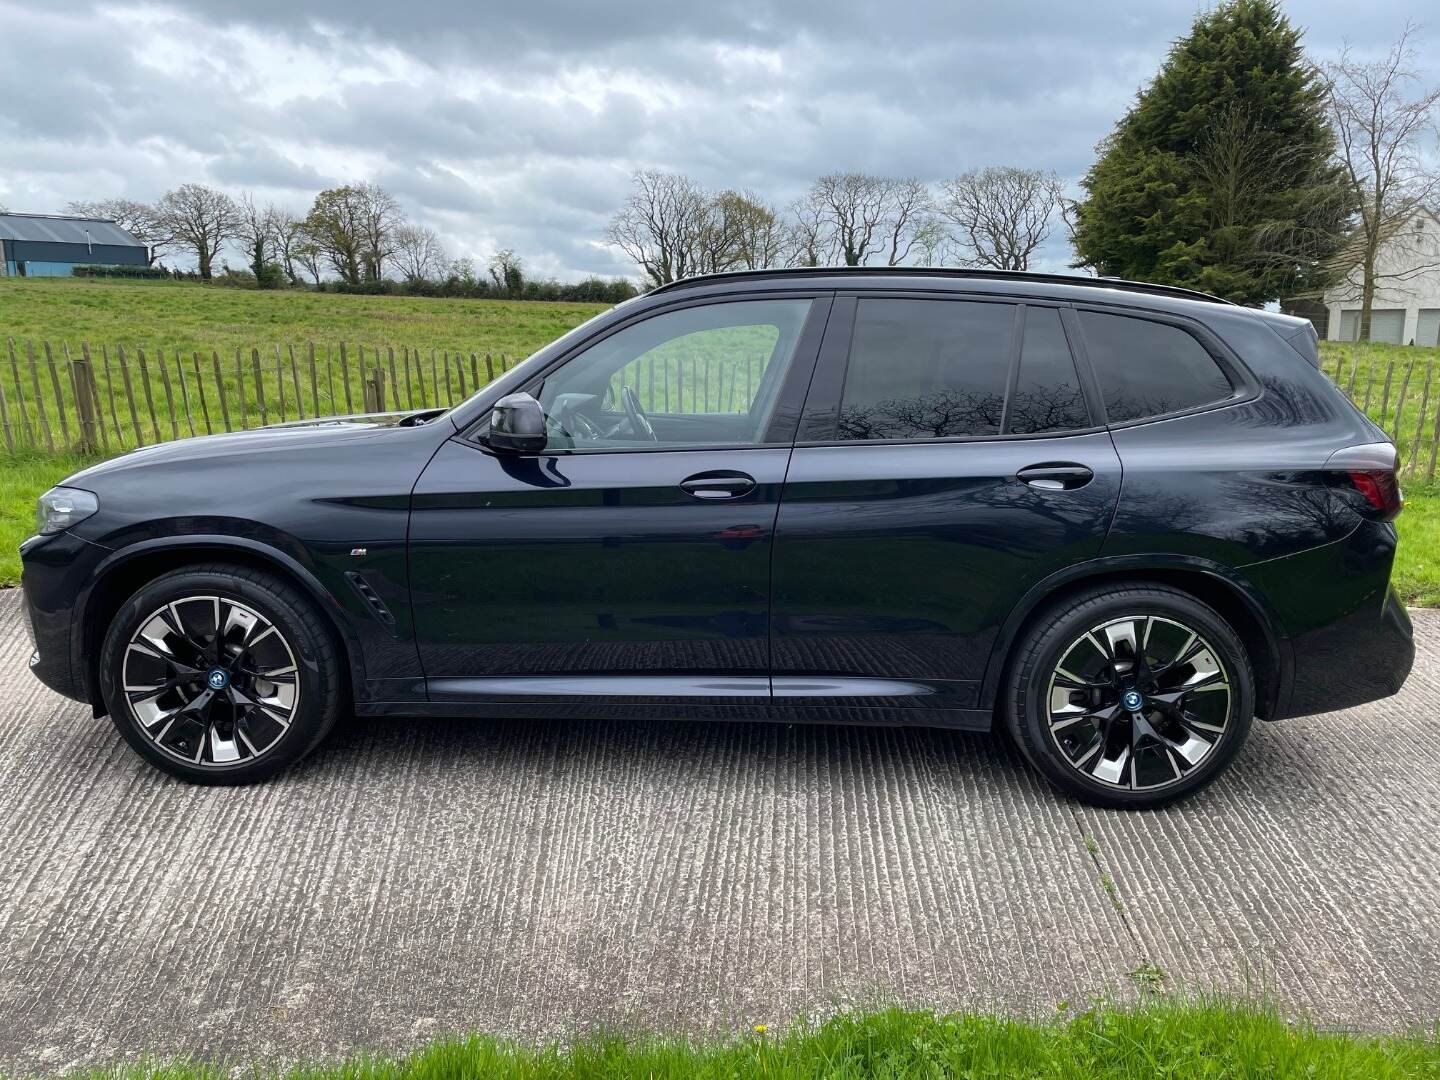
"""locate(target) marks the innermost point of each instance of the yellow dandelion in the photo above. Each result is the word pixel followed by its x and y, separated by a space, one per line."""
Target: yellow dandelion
pixel 760 1029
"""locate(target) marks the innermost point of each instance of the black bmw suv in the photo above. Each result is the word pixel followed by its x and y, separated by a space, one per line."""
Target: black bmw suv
pixel 1117 520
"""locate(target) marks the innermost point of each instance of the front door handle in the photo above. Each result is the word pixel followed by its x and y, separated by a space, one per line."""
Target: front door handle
pixel 1056 476
pixel 719 484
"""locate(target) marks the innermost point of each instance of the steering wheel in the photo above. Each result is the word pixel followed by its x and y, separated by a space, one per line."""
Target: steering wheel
pixel 639 423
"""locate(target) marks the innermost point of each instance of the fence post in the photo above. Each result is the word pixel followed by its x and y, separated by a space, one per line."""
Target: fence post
pixel 259 387
pixel 110 395
pixel 5 421
pixel 82 380
pixel 39 398
pixel 184 392
pixel 394 378
pixel 59 397
pixel 280 382
pixel 20 394
pixel 200 389
pixel 220 389
pixel 1420 416
pixel 345 377
pixel 169 391
pixel 295 382
pixel 149 397
pixel 240 390
pixel 314 382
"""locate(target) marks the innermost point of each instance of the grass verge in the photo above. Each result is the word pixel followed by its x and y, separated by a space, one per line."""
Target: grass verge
pixel 1156 1040
pixel 24 476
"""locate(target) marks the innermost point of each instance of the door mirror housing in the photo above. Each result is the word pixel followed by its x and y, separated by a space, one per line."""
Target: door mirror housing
pixel 517 425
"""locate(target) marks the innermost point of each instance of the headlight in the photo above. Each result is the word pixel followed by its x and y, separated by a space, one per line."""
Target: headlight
pixel 61 507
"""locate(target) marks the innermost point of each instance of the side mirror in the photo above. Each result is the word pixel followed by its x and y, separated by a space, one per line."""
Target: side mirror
pixel 517 425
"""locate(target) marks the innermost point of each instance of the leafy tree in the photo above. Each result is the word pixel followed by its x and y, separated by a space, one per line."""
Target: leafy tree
pixel 1221 177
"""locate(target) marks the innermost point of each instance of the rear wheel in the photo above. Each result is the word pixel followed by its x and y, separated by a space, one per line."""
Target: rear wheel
pixel 220 674
pixel 1131 697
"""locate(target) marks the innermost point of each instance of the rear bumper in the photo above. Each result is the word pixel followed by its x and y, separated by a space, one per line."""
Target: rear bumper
pixel 1349 636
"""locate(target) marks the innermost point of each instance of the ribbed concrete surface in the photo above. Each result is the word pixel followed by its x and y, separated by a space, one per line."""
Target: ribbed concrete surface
pixel 538 879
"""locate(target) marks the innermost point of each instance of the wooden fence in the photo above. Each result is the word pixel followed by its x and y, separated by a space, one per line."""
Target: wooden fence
pixel 103 400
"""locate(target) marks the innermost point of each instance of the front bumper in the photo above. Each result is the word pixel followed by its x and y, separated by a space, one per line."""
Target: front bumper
pixel 57 573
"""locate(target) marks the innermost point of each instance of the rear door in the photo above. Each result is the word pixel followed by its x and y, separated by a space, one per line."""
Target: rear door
pixel 949 458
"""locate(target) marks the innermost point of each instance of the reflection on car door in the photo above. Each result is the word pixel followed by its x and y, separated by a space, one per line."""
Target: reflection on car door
pixel 947 461
pixel 611 573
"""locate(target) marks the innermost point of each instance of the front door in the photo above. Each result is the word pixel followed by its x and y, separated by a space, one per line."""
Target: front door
pixel 628 565
pixel 948 460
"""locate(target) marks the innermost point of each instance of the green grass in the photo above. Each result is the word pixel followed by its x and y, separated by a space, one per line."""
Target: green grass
pixel 188 316
pixel 1389 383
pixel 1155 1041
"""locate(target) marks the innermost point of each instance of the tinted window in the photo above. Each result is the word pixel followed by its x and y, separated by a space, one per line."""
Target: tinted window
pixel 1047 393
pixel 1148 368
pixel 926 369
pixel 703 375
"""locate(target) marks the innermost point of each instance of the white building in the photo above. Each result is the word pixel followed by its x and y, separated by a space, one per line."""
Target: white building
pixel 1407 295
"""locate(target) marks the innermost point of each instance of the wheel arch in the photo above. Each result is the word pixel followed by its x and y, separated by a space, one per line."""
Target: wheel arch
pixel 126 570
pixel 1236 601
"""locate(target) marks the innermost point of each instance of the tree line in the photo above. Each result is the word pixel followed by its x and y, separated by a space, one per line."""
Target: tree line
pixel 672 227
pixel 353 238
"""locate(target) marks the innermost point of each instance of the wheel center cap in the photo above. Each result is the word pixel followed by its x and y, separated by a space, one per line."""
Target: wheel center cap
pixel 1132 700
pixel 217 678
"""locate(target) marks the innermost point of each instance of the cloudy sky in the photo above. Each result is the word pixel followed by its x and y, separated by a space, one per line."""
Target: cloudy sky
pixel 518 124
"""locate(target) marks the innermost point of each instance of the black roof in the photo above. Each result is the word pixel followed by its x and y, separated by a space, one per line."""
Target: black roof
pixel 950 273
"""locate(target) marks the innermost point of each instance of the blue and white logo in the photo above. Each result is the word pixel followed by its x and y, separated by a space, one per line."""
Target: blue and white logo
pixel 217 678
pixel 1132 700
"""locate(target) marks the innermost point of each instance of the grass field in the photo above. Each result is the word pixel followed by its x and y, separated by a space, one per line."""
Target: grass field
pixel 1148 1043
pixel 187 316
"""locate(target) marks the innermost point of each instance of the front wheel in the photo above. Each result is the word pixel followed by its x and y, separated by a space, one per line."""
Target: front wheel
pixel 221 674
pixel 1131 697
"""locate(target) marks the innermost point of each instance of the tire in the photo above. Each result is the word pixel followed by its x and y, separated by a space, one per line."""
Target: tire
pixel 161 655
pixel 1185 720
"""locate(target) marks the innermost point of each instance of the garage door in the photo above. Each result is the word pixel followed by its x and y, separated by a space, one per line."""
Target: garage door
pixel 1427 331
pixel 1385 325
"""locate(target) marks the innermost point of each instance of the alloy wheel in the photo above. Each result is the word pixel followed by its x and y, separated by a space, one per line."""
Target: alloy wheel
pixel 211 681
pixel 1138 702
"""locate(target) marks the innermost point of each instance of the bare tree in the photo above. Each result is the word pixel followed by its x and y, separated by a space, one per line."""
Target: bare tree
pixel 259 234
pixel 380 216
pixel 289 240
pixel 418 253
pixel 201 220
pixel 853 208
pixel 1001 214
pixel 807 240
pixel 1383 119
pixel 141 220
pixel 662 225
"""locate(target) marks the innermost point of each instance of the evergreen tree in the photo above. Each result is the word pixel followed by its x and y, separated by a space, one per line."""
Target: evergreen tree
pixel 1222 175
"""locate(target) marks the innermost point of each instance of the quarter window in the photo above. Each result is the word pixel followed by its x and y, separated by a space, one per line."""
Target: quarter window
pixel 1148 368
pixel 926 369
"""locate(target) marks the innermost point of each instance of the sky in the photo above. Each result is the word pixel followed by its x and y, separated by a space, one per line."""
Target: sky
pixel 518 125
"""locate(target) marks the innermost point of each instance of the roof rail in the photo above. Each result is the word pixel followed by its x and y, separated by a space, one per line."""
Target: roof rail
pixel 951 272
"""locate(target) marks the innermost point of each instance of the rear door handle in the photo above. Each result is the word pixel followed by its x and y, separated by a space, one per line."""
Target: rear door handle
pixel 719 484
pixel 1056 476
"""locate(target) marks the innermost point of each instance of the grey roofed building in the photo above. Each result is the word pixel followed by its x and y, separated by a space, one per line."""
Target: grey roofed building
pixel 51 245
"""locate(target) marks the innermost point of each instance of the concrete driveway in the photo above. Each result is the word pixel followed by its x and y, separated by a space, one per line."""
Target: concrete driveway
pixel 414 878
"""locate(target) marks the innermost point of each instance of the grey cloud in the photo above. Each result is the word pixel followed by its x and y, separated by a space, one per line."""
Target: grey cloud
pixel 518 125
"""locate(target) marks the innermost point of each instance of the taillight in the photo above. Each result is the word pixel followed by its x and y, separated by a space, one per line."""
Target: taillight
pixel 1371 469
pixel 1381 490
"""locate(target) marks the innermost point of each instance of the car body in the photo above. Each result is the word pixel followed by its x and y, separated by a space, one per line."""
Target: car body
pixel 817 543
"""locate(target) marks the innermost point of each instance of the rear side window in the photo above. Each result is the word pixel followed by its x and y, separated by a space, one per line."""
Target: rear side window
pixel 1148 368
pixel 926 369
pixel 1047 394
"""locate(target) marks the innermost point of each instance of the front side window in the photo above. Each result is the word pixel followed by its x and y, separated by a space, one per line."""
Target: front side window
pixel 700 376
pixel 1149 368
pixel 926 369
